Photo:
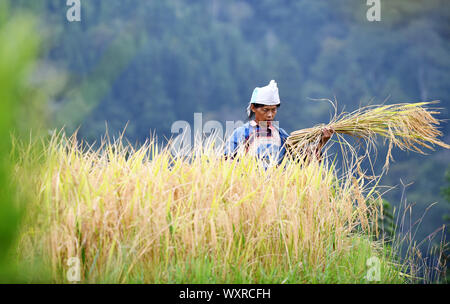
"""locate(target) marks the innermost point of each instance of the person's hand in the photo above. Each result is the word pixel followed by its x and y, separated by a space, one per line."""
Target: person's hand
pixel 327 132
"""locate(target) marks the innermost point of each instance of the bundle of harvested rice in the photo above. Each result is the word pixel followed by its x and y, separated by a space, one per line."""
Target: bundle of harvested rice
pixel 406 126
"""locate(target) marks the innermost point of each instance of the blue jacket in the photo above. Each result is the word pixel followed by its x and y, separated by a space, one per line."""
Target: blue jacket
pixel 241 135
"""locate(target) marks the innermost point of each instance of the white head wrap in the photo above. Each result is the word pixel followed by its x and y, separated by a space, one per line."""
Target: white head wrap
pixel 267 95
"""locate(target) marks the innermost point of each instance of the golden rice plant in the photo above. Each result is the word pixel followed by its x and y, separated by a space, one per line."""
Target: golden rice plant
pixel 143 215
pixel 408 126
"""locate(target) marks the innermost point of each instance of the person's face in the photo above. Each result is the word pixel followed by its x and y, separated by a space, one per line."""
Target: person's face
pixel 265 113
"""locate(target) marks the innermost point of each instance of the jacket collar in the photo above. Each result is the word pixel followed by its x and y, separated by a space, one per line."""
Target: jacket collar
pixel 254 124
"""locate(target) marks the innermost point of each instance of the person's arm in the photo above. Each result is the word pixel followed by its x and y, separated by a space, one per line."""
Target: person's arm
pixel 326 135
pixel 232 144
pixel 283 137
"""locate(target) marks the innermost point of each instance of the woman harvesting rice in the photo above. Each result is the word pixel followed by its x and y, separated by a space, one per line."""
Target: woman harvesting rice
pixel 261 135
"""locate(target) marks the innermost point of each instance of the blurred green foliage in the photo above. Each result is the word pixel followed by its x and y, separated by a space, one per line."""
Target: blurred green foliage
pixel 18 49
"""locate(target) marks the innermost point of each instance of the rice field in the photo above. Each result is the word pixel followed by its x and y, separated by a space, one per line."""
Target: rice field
pixel 142 215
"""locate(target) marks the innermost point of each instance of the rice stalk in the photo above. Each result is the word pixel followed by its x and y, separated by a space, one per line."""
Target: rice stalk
pixel 408 126
pixel 142 214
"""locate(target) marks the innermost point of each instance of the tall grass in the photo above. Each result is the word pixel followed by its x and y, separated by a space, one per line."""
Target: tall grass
pixel 142 215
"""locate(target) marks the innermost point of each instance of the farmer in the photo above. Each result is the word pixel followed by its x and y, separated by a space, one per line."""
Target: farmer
pixel 261 136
